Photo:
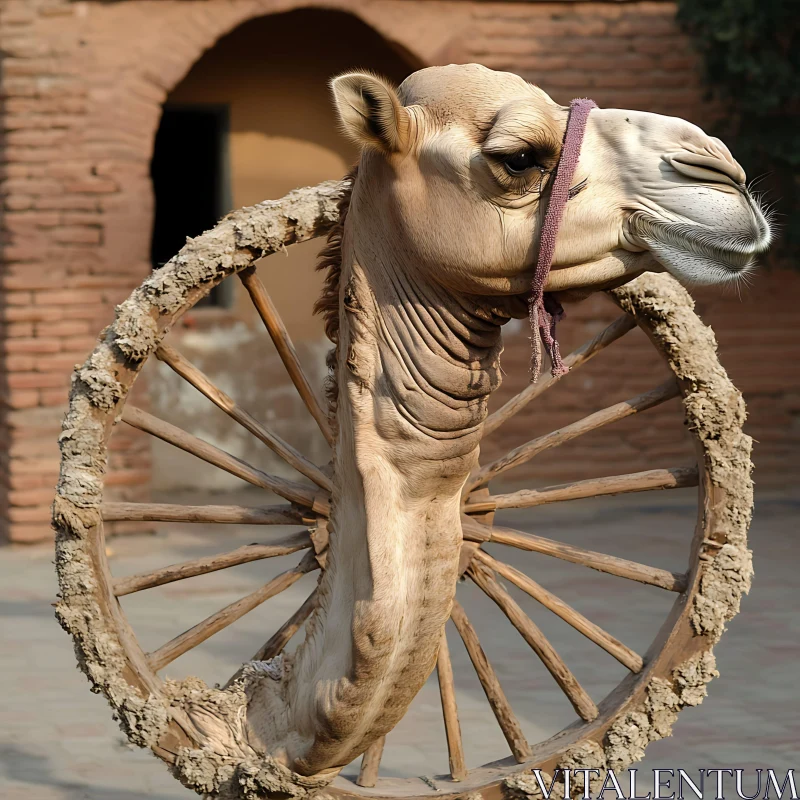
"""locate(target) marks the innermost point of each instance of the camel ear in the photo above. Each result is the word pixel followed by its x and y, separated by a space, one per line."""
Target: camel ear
pixel 370 111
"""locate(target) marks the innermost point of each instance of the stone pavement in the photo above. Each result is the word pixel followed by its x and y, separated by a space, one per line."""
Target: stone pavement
pixel 58 741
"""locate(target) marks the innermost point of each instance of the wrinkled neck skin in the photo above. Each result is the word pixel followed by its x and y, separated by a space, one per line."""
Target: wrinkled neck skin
pixel 416 366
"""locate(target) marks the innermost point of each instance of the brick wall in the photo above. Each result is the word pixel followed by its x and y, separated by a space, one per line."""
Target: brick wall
pixel 81 89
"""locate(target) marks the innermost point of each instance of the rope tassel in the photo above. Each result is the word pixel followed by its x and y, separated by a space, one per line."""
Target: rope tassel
pixel 544 311
pixel 543 316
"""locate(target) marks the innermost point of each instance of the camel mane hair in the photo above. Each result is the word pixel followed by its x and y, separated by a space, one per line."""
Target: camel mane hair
pixel 330 262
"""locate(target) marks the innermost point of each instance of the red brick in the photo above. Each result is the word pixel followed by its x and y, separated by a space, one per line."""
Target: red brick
pixel 17 14
pixel 127 477
pixel 54 397
pixel 9 170
pixel 125 283
pixel 29 532
pixel 18 202
pixel 29 186
pixel 20 399
pixel 90 218
pixel 64 328
pixel 79 344
pixel 35 138
pixel 92 186
pixel 31 278
pixel 37 345
pixel 64 297
pixel 15 330
pixel 18 298
pixel 30 314
pixel 25 447
pixel 67 202
pixel 62 364
pixel 28 222
pixel 40 466
pixel 35 380
pixel 20 363
pixel 25 252
pixel 78 234
pixel 98 315
pixel 33 514
pixel 16 481
pixel 19 87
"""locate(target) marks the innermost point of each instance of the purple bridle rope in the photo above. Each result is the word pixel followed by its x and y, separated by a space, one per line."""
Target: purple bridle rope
pixel 544 311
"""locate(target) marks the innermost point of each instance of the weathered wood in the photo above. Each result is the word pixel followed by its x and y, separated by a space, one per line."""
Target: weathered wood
pixel 650 480
pixel 229 515
pixel 664 312
pixel 520 455
pixel 188 640
pixel 503 712
pixel 452 727
pixel 275 645
pixel 537 641
pixel 622 568
pixel 575 359
pixel 370 763
pixel 183 367
pixel 296 492
pixel 626 656
pixel 202 566
pixel 283 343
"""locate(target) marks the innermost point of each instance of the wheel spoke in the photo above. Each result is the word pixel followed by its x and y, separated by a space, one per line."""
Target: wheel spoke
pixel 283 343
pixel 370 763
pixel 452 727
pixel 575 359
pixel 537 641
pixel 202 566
pixel 503 712
pixel 527 451
pixel 176 647
pixel 626 656
pixel 622 568
pixel 290 490
pixel 278 641
pixel 183 367
pixel 169 512
pixel 650 480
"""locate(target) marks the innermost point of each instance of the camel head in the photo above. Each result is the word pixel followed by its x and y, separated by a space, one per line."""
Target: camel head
pixel 459 160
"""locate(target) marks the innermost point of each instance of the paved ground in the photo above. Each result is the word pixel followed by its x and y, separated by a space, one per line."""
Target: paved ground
pixel 58 742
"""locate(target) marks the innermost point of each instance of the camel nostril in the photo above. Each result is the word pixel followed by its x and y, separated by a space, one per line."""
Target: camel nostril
pixel 707 168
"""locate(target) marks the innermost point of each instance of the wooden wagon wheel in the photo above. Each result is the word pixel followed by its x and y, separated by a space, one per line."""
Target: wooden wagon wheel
pixel 613 733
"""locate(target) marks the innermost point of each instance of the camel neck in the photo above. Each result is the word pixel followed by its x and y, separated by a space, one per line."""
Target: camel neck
pixel 434 355
pixel 415 369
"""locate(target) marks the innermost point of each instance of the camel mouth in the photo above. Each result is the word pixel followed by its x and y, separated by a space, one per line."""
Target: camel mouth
pixel 613 269
pixel 700 254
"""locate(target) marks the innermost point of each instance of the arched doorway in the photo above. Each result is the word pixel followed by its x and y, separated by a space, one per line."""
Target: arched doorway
pixel 252 120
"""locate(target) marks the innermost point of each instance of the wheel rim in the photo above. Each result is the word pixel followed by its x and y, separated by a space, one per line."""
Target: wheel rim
pixel 641 709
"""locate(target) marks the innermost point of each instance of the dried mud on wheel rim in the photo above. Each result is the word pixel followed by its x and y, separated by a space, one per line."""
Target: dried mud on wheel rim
pixel 671 675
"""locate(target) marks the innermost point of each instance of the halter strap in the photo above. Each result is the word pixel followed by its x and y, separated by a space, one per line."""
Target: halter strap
pixel 544 311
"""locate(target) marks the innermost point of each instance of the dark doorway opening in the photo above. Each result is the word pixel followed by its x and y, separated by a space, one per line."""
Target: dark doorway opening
pixel 190 179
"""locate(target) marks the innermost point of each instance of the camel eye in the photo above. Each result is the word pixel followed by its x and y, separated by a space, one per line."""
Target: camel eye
pixel 520 162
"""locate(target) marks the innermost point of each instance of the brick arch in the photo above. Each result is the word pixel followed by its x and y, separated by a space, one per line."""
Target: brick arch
pixel 376 19
pixel 157 63
pixel 282 133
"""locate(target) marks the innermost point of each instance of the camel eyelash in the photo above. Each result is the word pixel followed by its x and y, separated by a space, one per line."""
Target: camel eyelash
pixel 530 180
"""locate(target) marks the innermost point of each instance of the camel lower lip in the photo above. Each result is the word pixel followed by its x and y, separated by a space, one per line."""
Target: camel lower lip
pixel 596 273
